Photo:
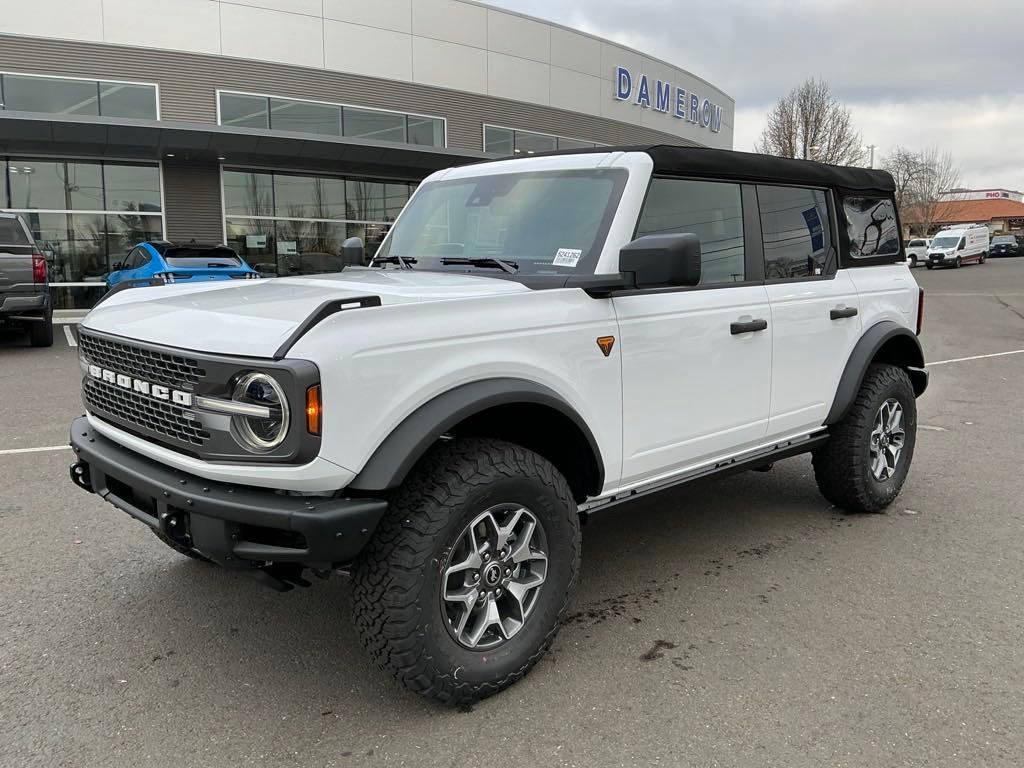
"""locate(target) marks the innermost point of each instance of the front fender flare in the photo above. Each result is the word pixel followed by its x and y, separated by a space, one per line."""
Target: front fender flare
pixel 393 459
pixel 874 339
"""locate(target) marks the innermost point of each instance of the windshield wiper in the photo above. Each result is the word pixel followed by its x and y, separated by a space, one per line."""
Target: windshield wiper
pixel 488 261
pixel 402 261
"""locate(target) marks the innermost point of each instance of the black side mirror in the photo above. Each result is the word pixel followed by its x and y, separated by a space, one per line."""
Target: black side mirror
pixel 660 261
pixel 352 252
pixel 117 266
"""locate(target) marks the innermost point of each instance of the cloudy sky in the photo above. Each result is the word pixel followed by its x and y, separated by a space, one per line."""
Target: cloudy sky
pixel 912 72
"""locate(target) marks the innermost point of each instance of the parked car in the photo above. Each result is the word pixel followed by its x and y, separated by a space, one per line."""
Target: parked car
pixel 958 245
pixel 917 250
pixel 1006 245
pixel 535 340
pixel 170 262
pixel 24 282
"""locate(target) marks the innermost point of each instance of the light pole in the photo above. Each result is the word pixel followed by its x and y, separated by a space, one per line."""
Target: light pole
pixel 872 148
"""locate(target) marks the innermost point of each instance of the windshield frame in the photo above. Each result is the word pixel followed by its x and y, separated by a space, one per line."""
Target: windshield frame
pixel 585 266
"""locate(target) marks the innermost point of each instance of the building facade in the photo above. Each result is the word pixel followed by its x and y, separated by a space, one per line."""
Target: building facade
pixel 284 126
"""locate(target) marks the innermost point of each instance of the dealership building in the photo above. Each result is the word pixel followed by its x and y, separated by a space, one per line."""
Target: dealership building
pixel 282 127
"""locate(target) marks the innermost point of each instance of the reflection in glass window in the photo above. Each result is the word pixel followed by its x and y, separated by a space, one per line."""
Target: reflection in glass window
pixel 426 131
pixel 871 222
pixel 244 111
pixel 530 143
pixel 501 141
pixel 50 94
pixel 295 196
pixel 131 187
pixel 711 210
pixel 124 100
pixel 365 199
pixel 39 184
pixel 506 141
pixel 248 193
pixel 305 117
pixel 378 126
pixel 85 186
pixel 564 143
pixel 795 228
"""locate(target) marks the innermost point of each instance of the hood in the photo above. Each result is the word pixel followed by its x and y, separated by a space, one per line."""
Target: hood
pixel 252 318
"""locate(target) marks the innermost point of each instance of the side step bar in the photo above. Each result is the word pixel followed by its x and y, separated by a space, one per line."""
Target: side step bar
pixel 739 463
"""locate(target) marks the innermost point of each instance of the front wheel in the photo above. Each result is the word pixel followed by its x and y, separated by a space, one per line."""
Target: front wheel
pixel 461 589
pixel 982 259
pixel 913 261
pixel 958 263
pixel 865 462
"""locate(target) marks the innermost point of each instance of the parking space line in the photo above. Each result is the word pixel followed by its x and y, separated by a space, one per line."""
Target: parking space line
pixel 70 336
pixel 975 357
pixel 12 451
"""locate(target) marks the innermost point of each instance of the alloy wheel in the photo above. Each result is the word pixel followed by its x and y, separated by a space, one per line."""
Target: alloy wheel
pixel 887 440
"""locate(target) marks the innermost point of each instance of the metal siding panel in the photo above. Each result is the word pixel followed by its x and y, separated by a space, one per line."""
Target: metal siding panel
pixel 192 202
pixel 188 84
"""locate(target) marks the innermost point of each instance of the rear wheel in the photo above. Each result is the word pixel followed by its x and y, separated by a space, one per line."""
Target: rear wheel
pixel 864 464
pixel 462 586
pixel 982 259
pixel 40 334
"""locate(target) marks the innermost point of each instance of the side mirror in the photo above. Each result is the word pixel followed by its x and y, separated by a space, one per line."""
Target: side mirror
pixel 117 266
pixel 661 261
pixel 352 252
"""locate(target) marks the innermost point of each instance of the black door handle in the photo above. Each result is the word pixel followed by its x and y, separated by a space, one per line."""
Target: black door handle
pixel 748 327
pixel 839 314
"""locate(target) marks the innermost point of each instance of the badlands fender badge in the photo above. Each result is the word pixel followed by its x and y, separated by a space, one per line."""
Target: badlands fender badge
pixel 606 343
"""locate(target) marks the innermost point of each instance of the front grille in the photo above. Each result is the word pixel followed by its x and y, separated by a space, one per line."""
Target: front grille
pixel 160 418
pixel 141 363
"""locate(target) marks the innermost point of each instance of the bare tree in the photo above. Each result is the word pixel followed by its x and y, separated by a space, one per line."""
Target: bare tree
pixel 811 124
pixel 938 174
pixel 905 166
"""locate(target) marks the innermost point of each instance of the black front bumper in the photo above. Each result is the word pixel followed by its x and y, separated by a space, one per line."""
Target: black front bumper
pixel 235 526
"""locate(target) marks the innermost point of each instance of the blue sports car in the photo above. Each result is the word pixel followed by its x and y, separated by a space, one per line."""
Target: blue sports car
pixel 172 263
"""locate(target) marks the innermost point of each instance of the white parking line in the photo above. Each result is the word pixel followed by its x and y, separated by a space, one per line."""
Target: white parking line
pixel 70 336
pixel 12 451
pixel 975 357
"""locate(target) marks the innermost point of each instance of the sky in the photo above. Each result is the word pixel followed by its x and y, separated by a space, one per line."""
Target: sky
pixel 914 73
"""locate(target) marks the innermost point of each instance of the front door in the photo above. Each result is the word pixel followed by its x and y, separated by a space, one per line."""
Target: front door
pixel 696 362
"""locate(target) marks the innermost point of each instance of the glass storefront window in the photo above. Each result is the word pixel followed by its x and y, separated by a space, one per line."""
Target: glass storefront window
pixel 378 126
pixel 365 200
pixel 564 143
pixel 244 111
pixel 131 187
pixel 248 193
pixel 254 241
pixel 507 141
pixel 295 196
pixel 305 117
pixel 125 100
pixel 529 143
pixel 37 184
pixel 84 183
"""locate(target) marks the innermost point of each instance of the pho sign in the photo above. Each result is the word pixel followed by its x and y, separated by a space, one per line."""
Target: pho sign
pixel 662 96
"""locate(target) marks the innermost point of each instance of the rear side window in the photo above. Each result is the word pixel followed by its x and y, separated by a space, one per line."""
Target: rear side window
pixel 796 232
pixel 917 244
pixel 711 210
pixel 201 258
pixel 12 233
pixel 872 226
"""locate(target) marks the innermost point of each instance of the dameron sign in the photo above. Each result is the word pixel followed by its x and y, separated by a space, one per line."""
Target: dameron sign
pixel 666 98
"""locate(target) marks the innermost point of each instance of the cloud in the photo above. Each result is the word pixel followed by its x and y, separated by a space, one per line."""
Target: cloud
pixel 914 72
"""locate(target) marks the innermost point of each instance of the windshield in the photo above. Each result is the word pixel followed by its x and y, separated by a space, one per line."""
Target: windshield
pixel 542 223
pixel 1004 240
pixel 945 242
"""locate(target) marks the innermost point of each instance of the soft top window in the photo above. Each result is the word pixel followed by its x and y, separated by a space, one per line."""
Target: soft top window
pixel 871 222
pixel 12 233
pixel 201 258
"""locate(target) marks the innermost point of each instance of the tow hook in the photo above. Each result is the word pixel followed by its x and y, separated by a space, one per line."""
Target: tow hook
pixel 80 476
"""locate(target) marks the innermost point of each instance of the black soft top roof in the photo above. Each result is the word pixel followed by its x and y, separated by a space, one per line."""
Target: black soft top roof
pixel 747 166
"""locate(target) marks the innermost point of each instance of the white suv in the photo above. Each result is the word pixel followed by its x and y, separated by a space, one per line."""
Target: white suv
pixel 536 339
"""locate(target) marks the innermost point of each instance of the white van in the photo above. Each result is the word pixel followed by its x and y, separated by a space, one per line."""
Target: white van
pixel 962 244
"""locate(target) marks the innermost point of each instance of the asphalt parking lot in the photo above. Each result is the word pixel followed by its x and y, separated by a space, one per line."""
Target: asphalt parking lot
pixel 737 622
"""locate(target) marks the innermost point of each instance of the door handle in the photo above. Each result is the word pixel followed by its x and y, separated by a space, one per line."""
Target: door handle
pixel 749 326
pixel 839 314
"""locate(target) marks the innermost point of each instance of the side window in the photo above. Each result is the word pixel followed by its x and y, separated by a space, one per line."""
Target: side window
pixel 711 210
pixel 796 232
pixel 871 222
pixel 137 258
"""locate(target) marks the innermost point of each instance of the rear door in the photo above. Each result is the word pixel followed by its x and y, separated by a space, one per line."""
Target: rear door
pixel 695 385
pixel 815 308
pixel 15 256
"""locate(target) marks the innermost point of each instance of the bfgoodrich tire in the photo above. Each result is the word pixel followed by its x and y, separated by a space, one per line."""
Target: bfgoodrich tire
pixel 865 462
pixel 482 531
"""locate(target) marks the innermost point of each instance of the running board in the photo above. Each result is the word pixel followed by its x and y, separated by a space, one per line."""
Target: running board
pixel 777 452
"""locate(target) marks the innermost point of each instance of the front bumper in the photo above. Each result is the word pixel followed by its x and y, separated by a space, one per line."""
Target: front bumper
pixel 235 526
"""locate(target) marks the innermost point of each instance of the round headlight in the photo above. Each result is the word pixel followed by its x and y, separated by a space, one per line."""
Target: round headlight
pixel 261 434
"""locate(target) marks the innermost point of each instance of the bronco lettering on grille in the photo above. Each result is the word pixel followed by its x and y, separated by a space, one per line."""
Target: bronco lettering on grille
pixel 156 391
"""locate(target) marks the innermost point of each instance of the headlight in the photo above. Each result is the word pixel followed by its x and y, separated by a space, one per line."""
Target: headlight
pixel 258 433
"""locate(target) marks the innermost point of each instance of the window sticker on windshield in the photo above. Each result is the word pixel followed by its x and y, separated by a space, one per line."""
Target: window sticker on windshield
pixel 567 257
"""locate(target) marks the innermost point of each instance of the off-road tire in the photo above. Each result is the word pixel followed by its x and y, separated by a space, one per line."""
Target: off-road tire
pixel 842 467
pixel 41 334
pixel 397 579
pixel 179 548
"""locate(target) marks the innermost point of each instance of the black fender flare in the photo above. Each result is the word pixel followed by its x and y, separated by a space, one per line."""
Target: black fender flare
pixel 911 358
pixel 393 459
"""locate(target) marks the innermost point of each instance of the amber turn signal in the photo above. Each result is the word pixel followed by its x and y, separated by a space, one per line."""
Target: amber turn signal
pixel 313 412
pixel 606 343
